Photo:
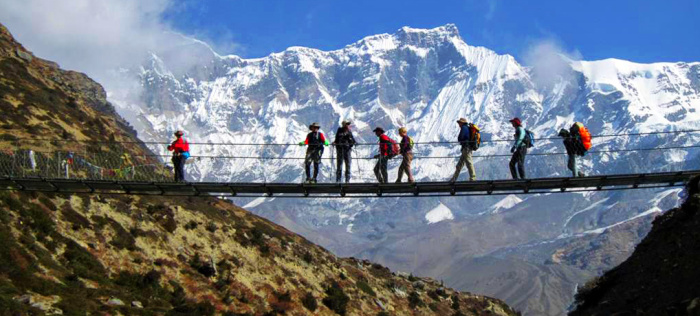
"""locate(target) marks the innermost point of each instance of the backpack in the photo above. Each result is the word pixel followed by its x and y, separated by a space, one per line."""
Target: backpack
pixel 474 137
pixel 185 146
pixel 529 138
pixel 411 144
pixel 582 137
pixel 393 149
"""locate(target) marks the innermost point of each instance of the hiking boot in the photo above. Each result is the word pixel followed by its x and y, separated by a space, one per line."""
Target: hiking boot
pixel 313 181
pixel 581 174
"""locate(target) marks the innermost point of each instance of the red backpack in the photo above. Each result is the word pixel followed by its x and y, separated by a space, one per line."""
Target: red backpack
pixel 394 149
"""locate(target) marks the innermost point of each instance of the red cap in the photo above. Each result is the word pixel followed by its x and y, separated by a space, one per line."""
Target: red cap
pixel 516 121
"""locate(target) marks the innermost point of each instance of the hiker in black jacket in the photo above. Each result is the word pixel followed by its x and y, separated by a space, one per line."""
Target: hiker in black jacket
pixel 343 146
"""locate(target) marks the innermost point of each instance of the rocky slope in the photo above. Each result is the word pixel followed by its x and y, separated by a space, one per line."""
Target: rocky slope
pixel 660 278
pixel 425 79
pixel 111 254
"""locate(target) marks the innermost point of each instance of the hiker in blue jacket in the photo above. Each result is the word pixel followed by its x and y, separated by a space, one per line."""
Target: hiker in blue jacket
pixel 519 150
pixel 466 158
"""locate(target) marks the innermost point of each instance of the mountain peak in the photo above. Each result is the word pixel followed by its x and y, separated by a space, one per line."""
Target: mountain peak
pixel 447 30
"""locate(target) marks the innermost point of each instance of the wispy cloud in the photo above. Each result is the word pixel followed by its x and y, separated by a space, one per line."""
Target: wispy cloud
pixel 98 36
pixel 549 61
pixel 491 10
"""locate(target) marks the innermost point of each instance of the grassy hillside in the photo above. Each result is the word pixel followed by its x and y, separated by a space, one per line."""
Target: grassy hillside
pixel 131 255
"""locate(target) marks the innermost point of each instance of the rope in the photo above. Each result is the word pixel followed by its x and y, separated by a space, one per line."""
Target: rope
pixel 362 144
pixel 433 157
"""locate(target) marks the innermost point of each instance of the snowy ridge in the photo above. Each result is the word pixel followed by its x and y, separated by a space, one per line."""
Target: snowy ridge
pixel 423 79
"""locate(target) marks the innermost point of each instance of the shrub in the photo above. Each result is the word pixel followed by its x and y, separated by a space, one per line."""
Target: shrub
pixel 362 285
pixel 414 300
pixel 309 302
pixel 83 263
pixel 122 239
pixel 202 267
pixel 79 221
pixel 211 227
pixel 455 302
pixel 336 299
pixel 308 257
pixel 191 225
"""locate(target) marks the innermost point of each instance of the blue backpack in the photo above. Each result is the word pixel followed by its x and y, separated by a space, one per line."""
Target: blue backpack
pixel 529 138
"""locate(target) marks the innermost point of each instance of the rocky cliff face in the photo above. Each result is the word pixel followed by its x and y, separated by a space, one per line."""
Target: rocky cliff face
pixel 426 79
pixel 660 278
pixel 78 254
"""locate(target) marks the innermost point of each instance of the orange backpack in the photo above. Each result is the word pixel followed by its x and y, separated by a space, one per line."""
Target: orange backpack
pixel 584 135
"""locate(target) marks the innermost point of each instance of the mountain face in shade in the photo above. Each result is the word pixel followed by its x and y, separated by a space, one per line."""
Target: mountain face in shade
pixel 425 80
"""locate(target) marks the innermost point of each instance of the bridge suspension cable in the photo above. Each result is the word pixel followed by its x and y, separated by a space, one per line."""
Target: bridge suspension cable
pixel 362 144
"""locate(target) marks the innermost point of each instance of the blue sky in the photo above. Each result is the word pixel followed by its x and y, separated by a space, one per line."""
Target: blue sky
pixel 642 31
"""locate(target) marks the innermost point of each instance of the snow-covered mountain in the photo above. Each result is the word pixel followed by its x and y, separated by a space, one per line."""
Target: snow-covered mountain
pixel 425 80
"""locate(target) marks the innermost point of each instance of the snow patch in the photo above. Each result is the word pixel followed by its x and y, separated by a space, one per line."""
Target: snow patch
pixel 506 203
pixel 439 214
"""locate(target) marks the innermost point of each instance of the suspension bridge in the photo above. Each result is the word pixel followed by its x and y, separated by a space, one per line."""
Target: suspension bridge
pixel 107 168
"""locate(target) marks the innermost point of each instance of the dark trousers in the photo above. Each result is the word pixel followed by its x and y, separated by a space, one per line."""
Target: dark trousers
pixel 343 157
pixel 179 165
pixel 380 169
pixel 312 157
pixel 519 160
pixel 573 167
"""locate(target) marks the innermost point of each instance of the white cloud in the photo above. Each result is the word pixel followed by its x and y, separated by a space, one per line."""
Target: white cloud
pixel 87 35
pixel 99 36
pixel 549 62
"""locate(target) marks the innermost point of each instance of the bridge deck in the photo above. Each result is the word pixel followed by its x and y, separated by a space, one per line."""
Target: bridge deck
pixel 540 185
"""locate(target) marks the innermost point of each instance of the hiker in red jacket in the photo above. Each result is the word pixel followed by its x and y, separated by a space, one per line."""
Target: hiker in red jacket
pixel 386 152
pixel 181 151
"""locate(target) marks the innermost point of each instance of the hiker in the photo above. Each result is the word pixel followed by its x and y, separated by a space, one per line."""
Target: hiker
pixel 464 139
pixel 570 143
pixel 343 146
pixel 387 151
pixel 519 150
pixel 406 150
pixel 315 140
pixel 181 151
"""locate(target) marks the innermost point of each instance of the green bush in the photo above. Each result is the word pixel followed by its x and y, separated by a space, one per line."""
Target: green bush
pixel 455 302
pixel 309 302
pixel 362 285
pixel 336 299
pixel 83 263
pixel 414 300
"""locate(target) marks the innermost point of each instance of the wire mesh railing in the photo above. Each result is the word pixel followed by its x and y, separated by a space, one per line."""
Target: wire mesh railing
pixel 232 162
